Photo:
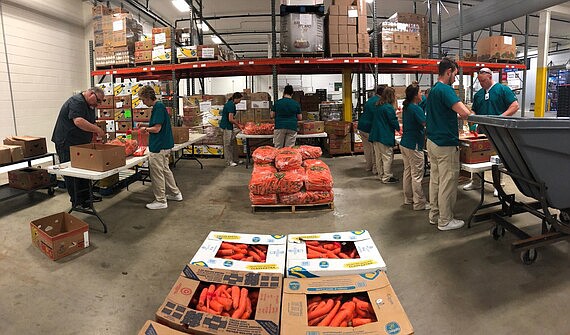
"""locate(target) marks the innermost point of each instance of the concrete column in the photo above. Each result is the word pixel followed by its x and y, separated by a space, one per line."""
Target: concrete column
pixel 542 63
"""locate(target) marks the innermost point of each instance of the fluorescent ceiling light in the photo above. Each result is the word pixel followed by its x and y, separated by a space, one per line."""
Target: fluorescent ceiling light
pixel 181 5
pixel 370 1
pixel 216 40
pixel 204 26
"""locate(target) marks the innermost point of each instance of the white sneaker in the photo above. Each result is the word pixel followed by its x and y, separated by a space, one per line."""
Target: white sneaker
pixel 472 186
pixel 240 162
pixel 495 193
pixel 433 222
pixel 157 205
pixel 232 164
pixel 453 224
pixel 176 197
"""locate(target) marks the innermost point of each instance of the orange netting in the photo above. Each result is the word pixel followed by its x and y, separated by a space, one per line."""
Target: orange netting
pixel 319 197
pixel 266 199
pixel 262 183
pixel 264 155
pixel 130 145
pixel 288 159
pixel 252 128
pixel 309 151
pixel 318 179
pixel 290 181
pixel 264 168
pixel 314 162
pixel 297 198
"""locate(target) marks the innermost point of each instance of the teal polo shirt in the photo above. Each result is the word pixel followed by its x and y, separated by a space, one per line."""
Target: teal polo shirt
pixel 413 120
pixel 286 111
pixel 229 107
pixel 163 139
pixel 365 121
pixel 384 124
pixel 422 103
pixel 441 120
pixel 499 99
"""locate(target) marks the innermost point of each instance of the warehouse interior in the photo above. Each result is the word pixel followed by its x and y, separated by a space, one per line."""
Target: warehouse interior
pixel 472 280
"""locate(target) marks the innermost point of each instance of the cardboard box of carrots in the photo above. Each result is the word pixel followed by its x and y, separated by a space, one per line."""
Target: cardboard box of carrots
pixel 332 254
pixel 336 305
pixel 216 301
pixel 247 252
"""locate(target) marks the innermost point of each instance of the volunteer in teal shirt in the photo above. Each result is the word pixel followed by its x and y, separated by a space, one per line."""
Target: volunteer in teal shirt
pixel 442 108
pixel 227 125
pixel 491 99
pixel 422 103
pixel 160 142
pixel 411 146
pixel 286 113
pixel 384 124
pixel 364 127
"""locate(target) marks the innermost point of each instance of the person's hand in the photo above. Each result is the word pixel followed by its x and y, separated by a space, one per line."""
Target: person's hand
pixel 100 132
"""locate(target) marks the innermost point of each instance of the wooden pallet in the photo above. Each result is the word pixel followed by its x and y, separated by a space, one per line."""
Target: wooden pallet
pixel 293 208
pixel 303 54
pixel 353 54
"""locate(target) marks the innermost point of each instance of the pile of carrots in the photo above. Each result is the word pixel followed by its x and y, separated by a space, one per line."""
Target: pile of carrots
pixel 224 300
pixel 243 252
pixel 339 311
pixel 328 249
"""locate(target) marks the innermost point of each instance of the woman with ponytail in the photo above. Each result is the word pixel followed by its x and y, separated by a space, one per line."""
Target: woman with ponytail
pixel 412 146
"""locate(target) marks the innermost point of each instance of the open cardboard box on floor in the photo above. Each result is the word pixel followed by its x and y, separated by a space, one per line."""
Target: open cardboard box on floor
pixel 178 310
pixel 368 257
pixel 389 313
pixel 59 235
pixel 155 328
pixel 275 258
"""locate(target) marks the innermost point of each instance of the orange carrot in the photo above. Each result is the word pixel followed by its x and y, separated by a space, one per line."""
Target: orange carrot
pixel 225 252
pixel 203 294
pixel 344 323
pixel 360 321
pixel 321 309
pixel 248 310
pixel 313 243
pixel 242 304
pixel 340 317
pixel 316 321
pixel 226 302
pixel 255 256
pixel 317 249
pixel 343 255
pixel 235 296
pixel 216 305
pixel 226 245
pixel 327 320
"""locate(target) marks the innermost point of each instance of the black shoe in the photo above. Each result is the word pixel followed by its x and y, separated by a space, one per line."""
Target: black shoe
pixel 392 180
pixel 96 198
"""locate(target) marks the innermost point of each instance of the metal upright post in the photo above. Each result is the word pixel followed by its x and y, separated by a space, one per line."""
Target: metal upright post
pixel 461 88
pixel 274 51
pixel 430 37
pixel 523 102
pixel 375 41
pixel 472 77
pixel 439 44
pixel 91 62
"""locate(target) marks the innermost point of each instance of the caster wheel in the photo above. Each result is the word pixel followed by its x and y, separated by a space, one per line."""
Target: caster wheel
pixel 497 232
pixel 564 217
pixel 51 191
pixel 529 256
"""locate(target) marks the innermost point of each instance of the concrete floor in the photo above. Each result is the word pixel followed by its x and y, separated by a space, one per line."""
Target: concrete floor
pixel 458 282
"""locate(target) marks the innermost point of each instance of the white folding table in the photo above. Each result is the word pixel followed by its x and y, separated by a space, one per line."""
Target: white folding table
pixel 479 170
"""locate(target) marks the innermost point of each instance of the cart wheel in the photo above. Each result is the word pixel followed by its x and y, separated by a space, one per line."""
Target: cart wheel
pixel 51 191
pixel 564 217
pixel 497 232
pixel 529 256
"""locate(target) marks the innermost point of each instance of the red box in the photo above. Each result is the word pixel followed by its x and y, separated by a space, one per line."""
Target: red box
pixel 59 235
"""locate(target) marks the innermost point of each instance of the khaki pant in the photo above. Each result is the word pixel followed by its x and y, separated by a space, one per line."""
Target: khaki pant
pixel 413 176
pixel 443 182
pixel 368 152
pixel 161 176
pixel 284 138
pixel 384 156
pixel 229 145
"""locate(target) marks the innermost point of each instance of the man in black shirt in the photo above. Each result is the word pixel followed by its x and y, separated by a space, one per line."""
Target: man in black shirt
pixel 75 125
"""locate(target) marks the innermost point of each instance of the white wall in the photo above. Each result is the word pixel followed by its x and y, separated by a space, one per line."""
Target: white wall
pixel 47 59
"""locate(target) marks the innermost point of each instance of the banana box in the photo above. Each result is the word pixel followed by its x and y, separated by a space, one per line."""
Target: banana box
pixel 187 52
pixel 122 89
pixel 140 84
pixel 161 54
pixel 209 150
pixel 106 87
pixel 209 253
pixel 137 103
pixel 311 255
pixel 105 113
pixel 210 120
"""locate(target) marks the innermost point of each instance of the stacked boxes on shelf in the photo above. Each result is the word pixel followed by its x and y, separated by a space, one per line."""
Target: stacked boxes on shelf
pixel 140 111
pixel 202 113
pixel 410 35
pixel 302 29
pixel 310 107
pixel 331 111
pixel 347 27
pixel 339 137
pixel 497 47
pixel 161 44
pixel 357 146
pixel 122 109
pixel 143 52
pixel 105 110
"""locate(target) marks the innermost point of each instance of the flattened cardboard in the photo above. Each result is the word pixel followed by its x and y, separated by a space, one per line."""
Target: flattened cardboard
pixel 392 319
pixel 32 146
pixel 176 313
pixel 97 157
pixel 59 235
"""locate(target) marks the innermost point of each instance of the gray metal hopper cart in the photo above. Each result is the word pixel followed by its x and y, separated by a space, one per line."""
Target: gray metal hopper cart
pixel 535 152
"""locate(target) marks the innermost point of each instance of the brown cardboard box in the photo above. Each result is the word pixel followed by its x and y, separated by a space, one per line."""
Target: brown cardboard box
pixel 351 31
pixel 414 50
pixel 178 307
pixel 258 96
pixel 262 115
pixel 334 20
pixel 503 47
pixel 333 30
pixel 338 144
pixel 28 178
pixel 311 127
pixel 343 48
pixel 97 157
pixel 333 39
pixel 59 235
pixel 209 51
pixel 32 146
pixel 343 20
pixel 5 155
pixel 142 114
pixel 334 48
pixel 16 152
pixel 123 101
pixel 398 37
pixel 123 114
pixel 334 10
pixel 352 39
pixel 352 21
pixel 478 150
pixel 162 36
pixel 405 48
pixel 343 30
pixel 343 39
pixel 145 45
pixel 339 128
pixel 155 328
pixel 123 126
pixel 109 181
pixel 352 48
pixel 102 124
pixel 180 134
pixel 144 56
pixel 391 49
pixel 106 113
pixel 362 24
pixel 392 319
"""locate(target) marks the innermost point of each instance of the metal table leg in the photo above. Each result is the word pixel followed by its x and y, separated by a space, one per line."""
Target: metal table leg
pixel 91 210
pixel 247 153
pixel 482 217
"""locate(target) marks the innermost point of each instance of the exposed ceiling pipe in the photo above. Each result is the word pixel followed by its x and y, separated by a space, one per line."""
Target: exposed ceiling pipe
pixel 490 13
pixel 148 12
pixel 200 15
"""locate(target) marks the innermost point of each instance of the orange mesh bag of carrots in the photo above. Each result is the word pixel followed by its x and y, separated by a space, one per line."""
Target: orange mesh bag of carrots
pixel 130 145
pixel 262 183
pixel 288 159
pixel 318 179
pixel 314 162
pixel 297 198
pixel 319 197
pixel 290 181
pixel 264 155
pixel 252 128
pixel 257 168
pixel 310 152
pixel 339 310
pixel 224 300
pixel 266 199
pixel 243 252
